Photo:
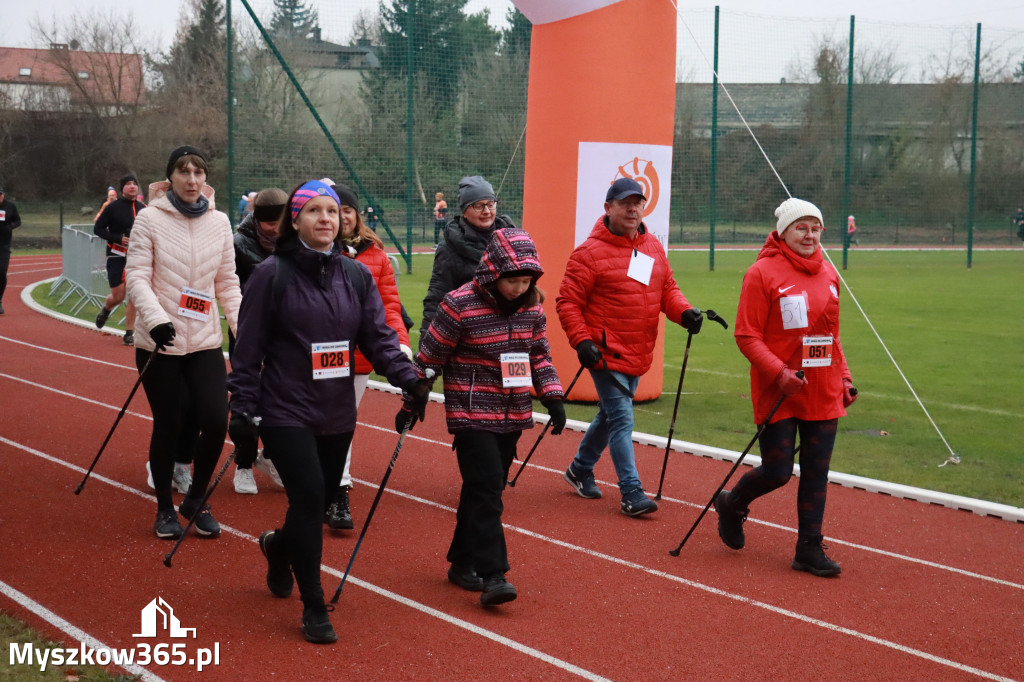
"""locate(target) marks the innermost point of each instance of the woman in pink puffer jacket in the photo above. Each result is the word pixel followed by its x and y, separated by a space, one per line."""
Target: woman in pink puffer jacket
pixel 181 264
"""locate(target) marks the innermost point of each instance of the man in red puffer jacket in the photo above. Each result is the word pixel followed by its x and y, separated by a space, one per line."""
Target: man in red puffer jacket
pixel 616 284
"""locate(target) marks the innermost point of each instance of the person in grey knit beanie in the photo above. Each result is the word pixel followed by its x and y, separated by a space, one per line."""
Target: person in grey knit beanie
pixel 472 189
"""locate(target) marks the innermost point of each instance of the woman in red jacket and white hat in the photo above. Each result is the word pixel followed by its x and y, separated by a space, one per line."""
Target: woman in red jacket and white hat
pixel 788 320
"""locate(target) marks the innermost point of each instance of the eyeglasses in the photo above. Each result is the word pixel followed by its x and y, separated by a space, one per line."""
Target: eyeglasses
pixel 482 206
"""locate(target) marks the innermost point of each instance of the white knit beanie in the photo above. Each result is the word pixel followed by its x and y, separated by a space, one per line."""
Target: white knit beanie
pixel 791 210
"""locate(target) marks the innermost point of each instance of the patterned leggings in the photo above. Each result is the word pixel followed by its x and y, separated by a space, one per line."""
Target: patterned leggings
pixel 778 451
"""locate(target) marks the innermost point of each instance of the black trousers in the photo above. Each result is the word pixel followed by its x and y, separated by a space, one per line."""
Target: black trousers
pixel 484 461
pixel 5 262
pixel 778 446
pixel 310 466
pixel 188 397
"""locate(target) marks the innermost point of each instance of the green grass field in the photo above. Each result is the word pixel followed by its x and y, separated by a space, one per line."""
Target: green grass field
pixel 957 335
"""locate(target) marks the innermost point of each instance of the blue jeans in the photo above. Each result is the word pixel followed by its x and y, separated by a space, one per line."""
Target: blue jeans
pixel 611 428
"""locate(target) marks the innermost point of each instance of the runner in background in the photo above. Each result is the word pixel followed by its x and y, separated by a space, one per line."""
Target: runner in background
pixel 114 224
pixel 440 216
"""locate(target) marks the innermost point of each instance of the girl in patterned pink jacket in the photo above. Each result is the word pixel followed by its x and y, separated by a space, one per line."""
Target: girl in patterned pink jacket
pixel 489 340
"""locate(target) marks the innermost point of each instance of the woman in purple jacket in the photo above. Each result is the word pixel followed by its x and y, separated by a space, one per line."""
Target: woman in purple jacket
pixel 305 310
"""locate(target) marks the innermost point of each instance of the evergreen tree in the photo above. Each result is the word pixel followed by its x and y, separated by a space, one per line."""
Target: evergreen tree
pixel 294 19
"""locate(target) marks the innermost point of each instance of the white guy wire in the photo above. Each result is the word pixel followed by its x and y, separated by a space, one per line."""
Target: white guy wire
pixel 507 168
pixel 953 457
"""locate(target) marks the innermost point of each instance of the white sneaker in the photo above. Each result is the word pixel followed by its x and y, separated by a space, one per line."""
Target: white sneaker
pixel 245 484
pixel 267 467
pixel 149 477
pixel 182 479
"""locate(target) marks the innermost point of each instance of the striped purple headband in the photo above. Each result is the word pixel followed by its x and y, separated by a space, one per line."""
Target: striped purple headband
pixel 311 190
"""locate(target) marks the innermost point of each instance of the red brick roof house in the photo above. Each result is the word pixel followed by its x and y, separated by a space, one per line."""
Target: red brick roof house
pixel 63 79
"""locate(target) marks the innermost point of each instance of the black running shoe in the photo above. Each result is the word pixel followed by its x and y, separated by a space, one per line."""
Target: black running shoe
pixel 167 526
pixel 338 515
pixel 101 317
pixel 205 524
pixel 279 572
pixel 129 338
pixel 730 521
pixel 316 625
pixel 465 577
pixel 583 482
pixel 497 590
pixel 811 557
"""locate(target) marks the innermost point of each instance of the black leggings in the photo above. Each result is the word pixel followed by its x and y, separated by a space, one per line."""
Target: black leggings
pixel 310 467
pixel 778 444
pixel 484 461
pixel 5 261
pixel 187 395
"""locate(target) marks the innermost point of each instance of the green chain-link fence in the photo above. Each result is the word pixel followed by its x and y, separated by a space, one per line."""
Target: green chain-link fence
pixel 917 152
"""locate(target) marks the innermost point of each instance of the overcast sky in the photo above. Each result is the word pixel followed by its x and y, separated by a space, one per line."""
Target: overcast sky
pixel 1002 20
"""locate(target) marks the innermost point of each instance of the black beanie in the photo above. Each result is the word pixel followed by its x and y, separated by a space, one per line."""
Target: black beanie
pixel 130 177
pixel 180 152
pixel 347 196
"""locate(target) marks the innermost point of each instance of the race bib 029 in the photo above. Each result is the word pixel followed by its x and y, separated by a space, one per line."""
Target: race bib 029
pixel 515 370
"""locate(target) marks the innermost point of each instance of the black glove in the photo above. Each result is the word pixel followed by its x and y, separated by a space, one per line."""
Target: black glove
pixel 404 419
pixel 557 413
pixel 417 395
pixel 588 353
pixel 244 434
pixel 163 335
pixel 692 319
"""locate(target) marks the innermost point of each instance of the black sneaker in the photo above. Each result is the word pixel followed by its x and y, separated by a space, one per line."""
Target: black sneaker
pixel 316 625
pixel 167 526
pixel 1 308
pixel 811 557
pixel 279 573
pixel 129 338
pixel 636 503
pixel 583 482
pixel 205 524
pixel 465 577
pixel 101 317
pixel 497 590
pixel 338 515
pixel 730 521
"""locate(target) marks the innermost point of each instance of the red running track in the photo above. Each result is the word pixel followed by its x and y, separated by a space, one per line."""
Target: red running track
pixel 926 593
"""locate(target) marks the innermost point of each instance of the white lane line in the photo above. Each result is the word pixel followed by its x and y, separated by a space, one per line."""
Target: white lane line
pixel 522 648
pixel 423 608
pixel 447 445
pixel 777 526
pixel 856 634
pixel 82 636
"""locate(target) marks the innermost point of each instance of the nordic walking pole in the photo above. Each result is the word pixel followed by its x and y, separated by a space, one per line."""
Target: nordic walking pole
pixel 712 315
pixel 677 550
pixel 138 382
pixel 376 500
pixel 202 503
pixel 512 483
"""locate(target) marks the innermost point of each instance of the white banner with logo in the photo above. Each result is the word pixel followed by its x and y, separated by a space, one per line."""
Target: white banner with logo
pixel 602 163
